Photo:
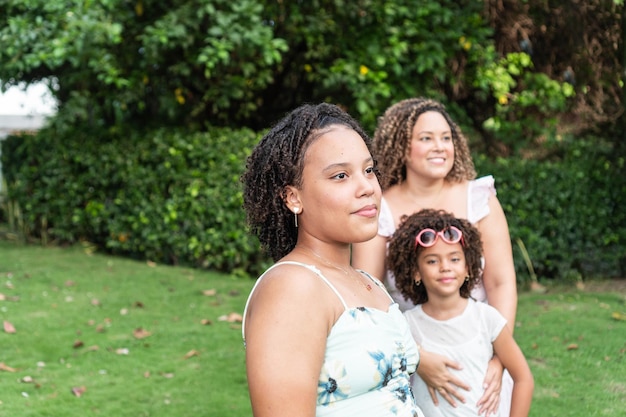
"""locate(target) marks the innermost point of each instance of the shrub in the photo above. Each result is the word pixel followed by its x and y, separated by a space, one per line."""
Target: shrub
pixel 567 212
pixel 174 197
pixel 168 196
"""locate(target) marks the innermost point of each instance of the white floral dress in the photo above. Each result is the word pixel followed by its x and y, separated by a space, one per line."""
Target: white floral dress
pixel 370 355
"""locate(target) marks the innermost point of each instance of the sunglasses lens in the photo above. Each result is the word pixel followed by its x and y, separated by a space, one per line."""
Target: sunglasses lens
pixel 451 235
pixel 427 237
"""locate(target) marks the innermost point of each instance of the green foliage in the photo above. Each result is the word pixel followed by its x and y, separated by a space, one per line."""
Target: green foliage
pixel 367 54
pixel 236 63
pixel 168 196
pixel 528 103
pixel 176 198
pixel 568 212
pixel 245 63
pixel 117 62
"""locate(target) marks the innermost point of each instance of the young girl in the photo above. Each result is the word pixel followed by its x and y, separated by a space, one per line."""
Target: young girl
pixel 436 259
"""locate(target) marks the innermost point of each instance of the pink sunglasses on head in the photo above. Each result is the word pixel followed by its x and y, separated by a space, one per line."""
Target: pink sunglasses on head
pixel 428 237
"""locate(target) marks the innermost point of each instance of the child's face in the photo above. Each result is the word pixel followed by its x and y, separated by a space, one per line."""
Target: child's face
pixel 442 268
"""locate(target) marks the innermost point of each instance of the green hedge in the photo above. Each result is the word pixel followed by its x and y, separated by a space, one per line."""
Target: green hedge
pixel 175 197
pixel 168 196
pixel 569 213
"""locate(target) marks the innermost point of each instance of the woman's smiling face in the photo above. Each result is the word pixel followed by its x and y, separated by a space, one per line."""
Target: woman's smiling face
pixel 431 149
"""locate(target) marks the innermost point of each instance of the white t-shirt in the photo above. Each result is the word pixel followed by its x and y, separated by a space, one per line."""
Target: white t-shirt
pixel 467 339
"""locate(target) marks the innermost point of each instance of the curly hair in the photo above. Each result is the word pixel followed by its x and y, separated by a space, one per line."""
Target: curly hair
pixel 276 162
pixel 403 254
pixel 392 140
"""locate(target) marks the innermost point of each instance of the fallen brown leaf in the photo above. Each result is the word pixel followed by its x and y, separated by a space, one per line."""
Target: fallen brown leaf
pixel 78 344
pixel 92 348
pixel 191 354
pixel 79 391
pixel 140 333
pixel 151 263
pixel 210 292
pixel 4 297
pixel 572 346
pixel 231 318
pixel 8 327
pixel 616 315
pixel 6 368
pixel 206 322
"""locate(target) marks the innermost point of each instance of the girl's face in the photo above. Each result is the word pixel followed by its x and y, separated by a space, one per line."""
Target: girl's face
pixel 442 268
pixel 340 193
pixel 431 150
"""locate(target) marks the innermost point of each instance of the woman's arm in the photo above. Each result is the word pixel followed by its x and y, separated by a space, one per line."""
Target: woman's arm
pixel 433 369
pixel 499 274
pixel 283 356
pixel 501 288
pixel 370 256
pixel 514 361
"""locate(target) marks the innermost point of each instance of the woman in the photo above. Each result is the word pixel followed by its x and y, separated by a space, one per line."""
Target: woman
pixel 321 338
pixel 425 163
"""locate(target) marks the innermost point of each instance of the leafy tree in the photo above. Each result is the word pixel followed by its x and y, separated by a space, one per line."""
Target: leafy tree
pixel 244 63
pixel 141 62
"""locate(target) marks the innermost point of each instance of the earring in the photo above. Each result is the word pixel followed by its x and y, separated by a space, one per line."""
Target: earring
pixel 467 278
pixel 418 283
pixel 296 210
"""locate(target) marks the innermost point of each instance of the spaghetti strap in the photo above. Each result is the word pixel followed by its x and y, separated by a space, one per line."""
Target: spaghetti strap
pixel 311 268
pixel 378 283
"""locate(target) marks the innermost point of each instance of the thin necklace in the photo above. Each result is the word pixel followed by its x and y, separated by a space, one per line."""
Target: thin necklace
pixel 326 262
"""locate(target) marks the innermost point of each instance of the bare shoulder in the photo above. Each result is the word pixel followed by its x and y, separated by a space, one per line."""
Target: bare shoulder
pixel 289 280
pixel 287 296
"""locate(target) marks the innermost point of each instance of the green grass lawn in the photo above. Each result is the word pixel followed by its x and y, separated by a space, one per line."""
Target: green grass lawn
pixel 77 319
pixel 104 336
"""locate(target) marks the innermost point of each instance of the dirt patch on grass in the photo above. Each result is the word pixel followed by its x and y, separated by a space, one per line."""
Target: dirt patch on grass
pixel 609 285
pixel 614 285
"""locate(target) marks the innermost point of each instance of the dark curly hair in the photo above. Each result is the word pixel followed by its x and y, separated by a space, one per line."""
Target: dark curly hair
pixel 392 140
pixel 278 161
pixel 403 255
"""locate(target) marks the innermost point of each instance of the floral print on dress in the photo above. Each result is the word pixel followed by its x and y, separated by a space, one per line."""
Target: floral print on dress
pixel 390 369
pixel 362 316
pixel 333 384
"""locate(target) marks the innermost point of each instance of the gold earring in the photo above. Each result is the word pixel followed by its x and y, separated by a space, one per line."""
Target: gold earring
pixel 418 282
pixel 467 278
pixel 296 210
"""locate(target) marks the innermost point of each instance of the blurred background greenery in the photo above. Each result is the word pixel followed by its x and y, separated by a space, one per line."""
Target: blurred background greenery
pixel 159 103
